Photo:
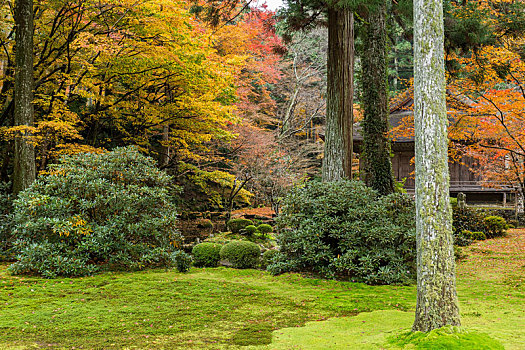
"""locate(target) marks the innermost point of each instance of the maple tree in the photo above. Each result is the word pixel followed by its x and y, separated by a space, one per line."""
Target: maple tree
pixel 147 73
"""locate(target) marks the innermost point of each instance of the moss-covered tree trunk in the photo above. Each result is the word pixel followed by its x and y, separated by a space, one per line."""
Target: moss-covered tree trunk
pixel 24 168
pixel 377 167
pixel 437 303
pixel 337 162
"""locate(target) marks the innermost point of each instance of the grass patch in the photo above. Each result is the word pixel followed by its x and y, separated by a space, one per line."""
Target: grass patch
pixel 223 308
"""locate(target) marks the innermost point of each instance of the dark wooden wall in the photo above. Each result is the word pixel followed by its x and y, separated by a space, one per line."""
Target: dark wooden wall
pixel 461 178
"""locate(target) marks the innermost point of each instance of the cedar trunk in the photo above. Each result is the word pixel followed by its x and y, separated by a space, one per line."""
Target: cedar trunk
pixel 437 303
pixel 377 165
pixel 337 162
pixel 24 168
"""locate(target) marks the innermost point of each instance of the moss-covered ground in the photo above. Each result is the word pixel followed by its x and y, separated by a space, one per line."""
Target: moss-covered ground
pixel 247 309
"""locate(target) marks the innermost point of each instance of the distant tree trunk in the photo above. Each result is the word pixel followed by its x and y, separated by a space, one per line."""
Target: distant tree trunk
pixel 337 162
pixel 437 303
pixel 24 169
pixel 377 166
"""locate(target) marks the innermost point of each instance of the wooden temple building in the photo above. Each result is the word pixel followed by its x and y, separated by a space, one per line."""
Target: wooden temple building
pixel 462 179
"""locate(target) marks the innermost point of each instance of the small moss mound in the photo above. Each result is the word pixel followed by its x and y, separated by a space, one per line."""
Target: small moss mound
pixel 446 338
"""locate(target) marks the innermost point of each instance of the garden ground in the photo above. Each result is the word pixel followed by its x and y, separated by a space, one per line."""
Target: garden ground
pixel 223 308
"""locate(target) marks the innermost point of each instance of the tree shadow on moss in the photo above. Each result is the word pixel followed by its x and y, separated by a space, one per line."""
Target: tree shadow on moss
pixel 253 334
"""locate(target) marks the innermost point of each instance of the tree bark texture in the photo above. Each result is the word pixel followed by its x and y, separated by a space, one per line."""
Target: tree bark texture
pixel 437 303
pixel 376 146
pixel 24 168
pixel 338 149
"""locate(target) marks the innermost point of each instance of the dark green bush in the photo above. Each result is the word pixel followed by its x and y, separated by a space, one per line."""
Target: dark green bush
pixel 469 219
pixel 236 225
pixel 268 257
pixel 495 226
pixel 463 239
pixel 6 223
pixel 513 223
pixel 91 211
pixel 205 224
pixel 478 236
pixel 241 254
pixel 458 253
pixel 206 254
pixel 344 229
pixel 250 229
pixel 181 260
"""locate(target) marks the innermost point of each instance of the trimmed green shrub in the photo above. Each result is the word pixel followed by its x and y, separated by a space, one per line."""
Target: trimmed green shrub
pixel 236 225
pixel 206 254
pixel 495 226
pixel 250 229
pixel 466 219
pixel 478 236
pixel 346 230
pixel 264 229
pixel 181 260
pixel 268 257
pixel 91 211
pixel 241 254
pixel 513 223
pixel 463 239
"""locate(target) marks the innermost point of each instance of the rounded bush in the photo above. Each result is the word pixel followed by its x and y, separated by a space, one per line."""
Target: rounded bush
pixel 241 254
pixel 236 225
pixel 181 260
pixel 268 257
pixel 250 229
pixel 206 254
pixel 91 211
pixel 495 226
pixel 264 229
pixel 463 239
pixel 346 230
pixel 478 236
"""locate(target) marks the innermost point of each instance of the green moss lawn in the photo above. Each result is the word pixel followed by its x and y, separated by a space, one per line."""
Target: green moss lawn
pixel 247 309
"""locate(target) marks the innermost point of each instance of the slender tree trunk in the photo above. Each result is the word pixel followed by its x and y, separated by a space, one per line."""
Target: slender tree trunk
pixel 437 303
pixel 337 162
pixel 376 146
pixel 25 169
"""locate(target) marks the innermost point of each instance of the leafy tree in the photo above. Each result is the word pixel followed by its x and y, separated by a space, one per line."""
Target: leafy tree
pixel 437 303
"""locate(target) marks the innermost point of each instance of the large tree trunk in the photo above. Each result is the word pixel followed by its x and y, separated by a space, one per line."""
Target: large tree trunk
pixel 337 162
pixel 376 146
pixel 24 170
pixel 437 303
